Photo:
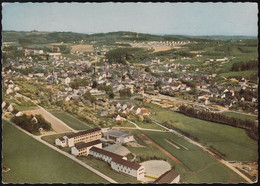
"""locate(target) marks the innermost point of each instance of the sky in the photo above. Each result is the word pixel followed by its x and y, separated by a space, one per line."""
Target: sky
pixel 154 18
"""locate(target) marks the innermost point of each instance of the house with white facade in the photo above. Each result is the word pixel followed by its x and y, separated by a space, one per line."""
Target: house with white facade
pixel 82 149
pixel 119 163
pixel 83 136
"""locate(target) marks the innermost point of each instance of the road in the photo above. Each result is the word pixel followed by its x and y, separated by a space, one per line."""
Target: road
pixel 38 138
pixel 226 163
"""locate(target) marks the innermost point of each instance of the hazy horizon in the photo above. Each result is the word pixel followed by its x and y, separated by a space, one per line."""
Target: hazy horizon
pixel 188 19
pixel 159 34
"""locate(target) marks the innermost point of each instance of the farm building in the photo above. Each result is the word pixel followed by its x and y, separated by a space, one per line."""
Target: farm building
pixel 83 136
pixel 170 176
pixel 83 148
pixel 118 136
pixel 119 163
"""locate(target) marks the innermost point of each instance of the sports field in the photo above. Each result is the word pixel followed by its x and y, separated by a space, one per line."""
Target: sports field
pixel 195 162
pixel 231 141
pixel 32 162
pixel 70 120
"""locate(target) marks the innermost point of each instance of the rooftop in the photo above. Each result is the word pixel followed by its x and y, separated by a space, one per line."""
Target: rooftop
pixel 107 153
pixel 83 132
pixel 117 133
pixel 84 145
pixel 167 177
pixel 127 163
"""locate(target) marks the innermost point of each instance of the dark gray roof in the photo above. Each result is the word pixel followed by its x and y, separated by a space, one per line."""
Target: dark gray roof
pixel 107 153
pixel 83 132
pixel 167 177
pixel 89 144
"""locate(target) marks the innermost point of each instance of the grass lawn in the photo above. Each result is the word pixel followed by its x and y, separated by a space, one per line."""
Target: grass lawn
pixel 244 74
pixel 32 162
pixel 240 116
pixel 148 125
pixel 231 141
pixel 70 120
pixel 202 168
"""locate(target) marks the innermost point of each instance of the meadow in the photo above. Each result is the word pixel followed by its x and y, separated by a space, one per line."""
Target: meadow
pixel 241 116
pixel 70 120
pixel 195 162
pixel 32 162
pixel 231 141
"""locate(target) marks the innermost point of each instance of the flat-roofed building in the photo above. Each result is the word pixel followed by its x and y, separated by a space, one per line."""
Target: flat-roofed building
pixel 82 149
pixel 83 136
pixel 118 136
pixel 170 176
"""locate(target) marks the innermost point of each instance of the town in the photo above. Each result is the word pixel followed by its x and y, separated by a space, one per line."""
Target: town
pixel 134 111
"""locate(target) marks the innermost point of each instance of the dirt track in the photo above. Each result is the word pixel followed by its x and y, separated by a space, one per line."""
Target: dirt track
pixel 56 124
pixel 148 141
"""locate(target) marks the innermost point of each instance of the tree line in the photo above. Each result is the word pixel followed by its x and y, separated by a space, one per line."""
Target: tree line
pixel 242 66
pixel 249 125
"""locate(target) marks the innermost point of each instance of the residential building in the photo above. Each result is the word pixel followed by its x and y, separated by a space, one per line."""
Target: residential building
pixel 82 149
pixel 119 163
pixel 83 136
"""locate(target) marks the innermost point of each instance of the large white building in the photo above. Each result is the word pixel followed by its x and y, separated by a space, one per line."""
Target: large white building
pixel 118 163
pixel 118 136
pixel 82 149
pixel 83 136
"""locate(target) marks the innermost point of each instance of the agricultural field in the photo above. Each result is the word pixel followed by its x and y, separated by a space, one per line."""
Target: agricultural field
pixel 241 116
pixel 82 48
pixel 70 120
pixel 232 142
pixel 195 163
pixel 148 125
pixel 32 162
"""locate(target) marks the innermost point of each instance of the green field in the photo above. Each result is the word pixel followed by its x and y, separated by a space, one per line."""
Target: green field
pixel 245 74
pixel 70 120
pixel 231 141
pixel 32 162
pixel 198 166
pixel 148 125
pixel 240 116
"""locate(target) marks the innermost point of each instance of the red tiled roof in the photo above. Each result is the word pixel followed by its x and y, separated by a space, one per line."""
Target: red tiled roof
pixel 144 111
